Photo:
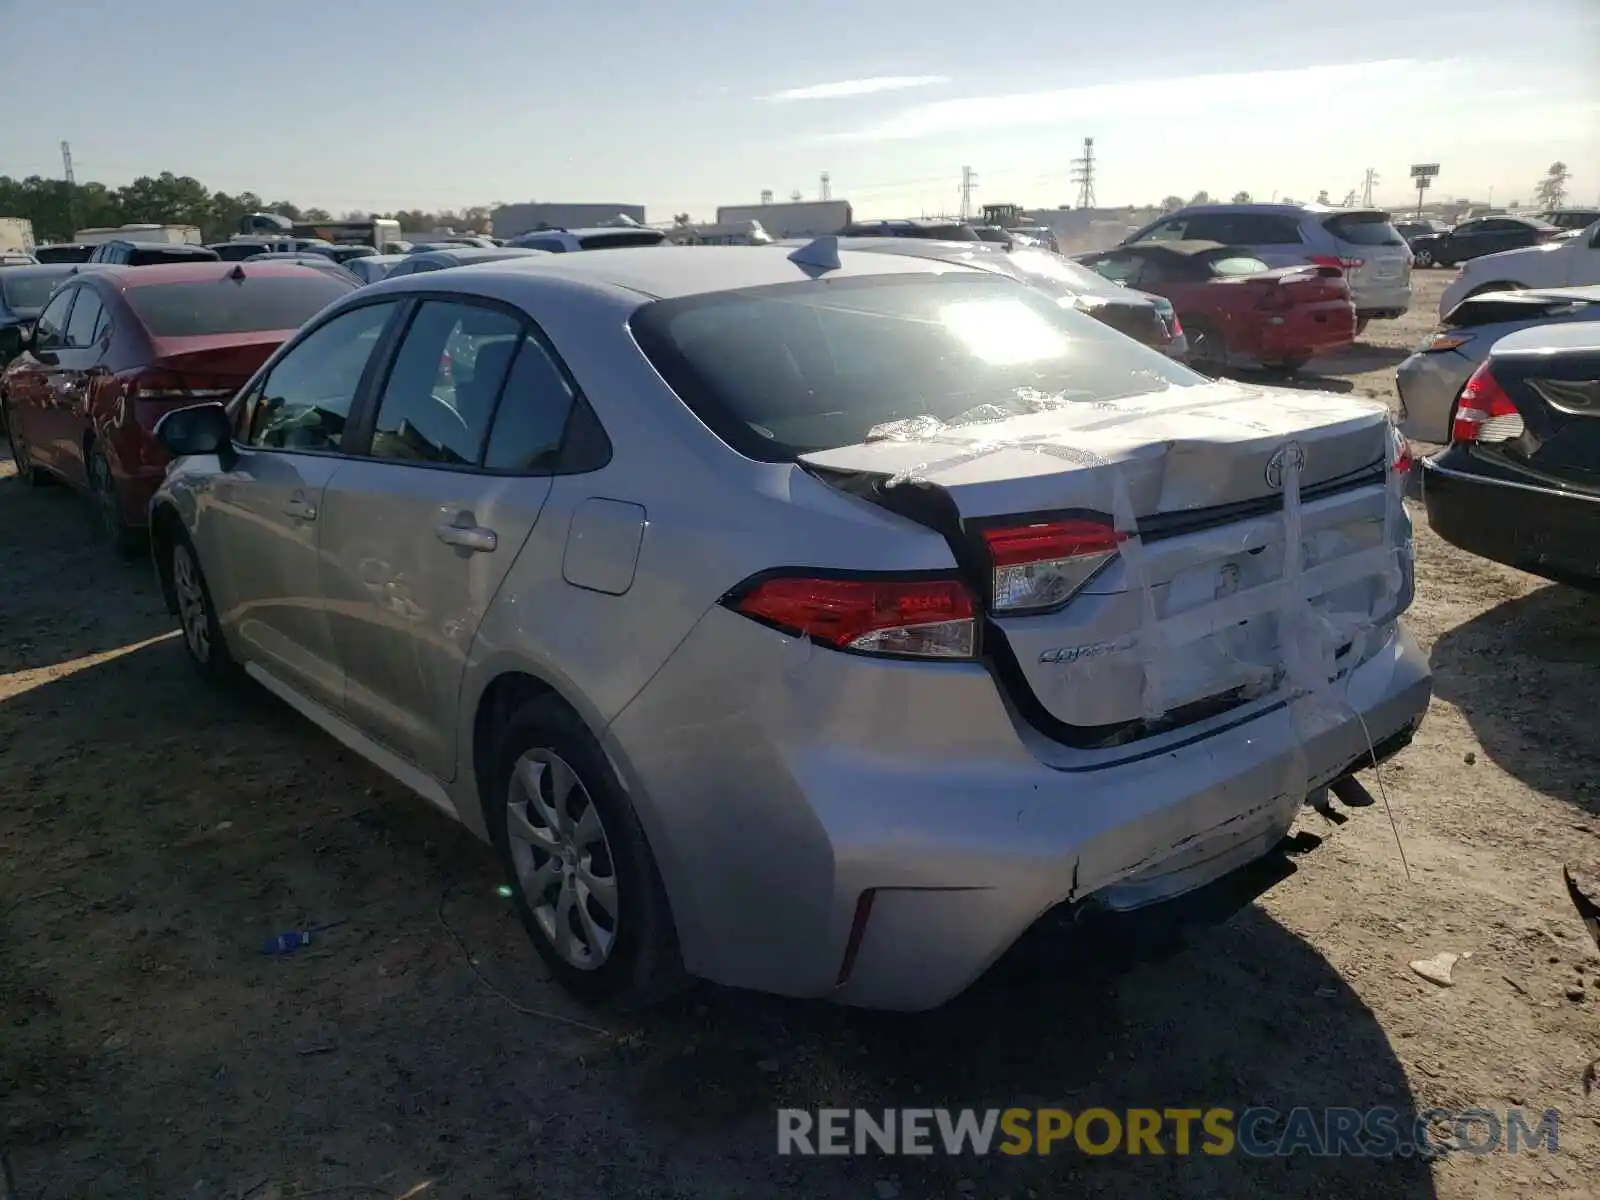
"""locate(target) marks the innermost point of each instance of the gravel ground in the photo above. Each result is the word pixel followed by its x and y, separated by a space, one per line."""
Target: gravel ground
pixel 152 832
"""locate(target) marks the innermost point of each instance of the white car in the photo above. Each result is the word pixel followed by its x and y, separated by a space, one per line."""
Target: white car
pixel 1572 261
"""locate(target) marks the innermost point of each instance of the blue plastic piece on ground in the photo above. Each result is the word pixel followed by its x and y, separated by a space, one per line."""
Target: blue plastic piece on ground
pixel 286 943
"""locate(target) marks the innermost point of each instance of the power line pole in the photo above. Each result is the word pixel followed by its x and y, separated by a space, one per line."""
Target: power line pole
pixel 1083 174
pixel 72 185
pixel 969 181
pixel 1367 185
pixel 827 187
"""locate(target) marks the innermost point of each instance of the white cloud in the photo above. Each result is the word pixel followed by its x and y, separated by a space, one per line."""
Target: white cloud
pixel 1347 86
pixel 855 87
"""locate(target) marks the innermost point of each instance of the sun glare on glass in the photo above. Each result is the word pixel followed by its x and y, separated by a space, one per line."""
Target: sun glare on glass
pixel 1003 332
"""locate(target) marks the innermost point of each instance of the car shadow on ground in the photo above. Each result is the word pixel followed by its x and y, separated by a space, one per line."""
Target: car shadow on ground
pixel 1544 644
pixel 158 829
pixel 1359 357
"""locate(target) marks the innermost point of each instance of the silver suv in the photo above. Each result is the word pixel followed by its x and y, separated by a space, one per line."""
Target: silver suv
pixel 1361 241
pixel 609 237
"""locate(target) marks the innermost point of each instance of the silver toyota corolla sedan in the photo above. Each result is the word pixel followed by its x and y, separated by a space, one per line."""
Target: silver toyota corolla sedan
pixel 801 620
pixel 1430 380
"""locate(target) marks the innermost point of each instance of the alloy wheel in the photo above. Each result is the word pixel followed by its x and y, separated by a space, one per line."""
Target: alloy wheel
pixel 191 602
pixel 563 859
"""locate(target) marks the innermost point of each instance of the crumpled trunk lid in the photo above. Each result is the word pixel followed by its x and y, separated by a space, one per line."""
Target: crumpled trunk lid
pixel 1222 589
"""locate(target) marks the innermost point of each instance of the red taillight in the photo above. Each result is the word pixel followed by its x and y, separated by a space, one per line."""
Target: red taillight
pixel 1484 413
pixel 1403 459
pixel 1177 327
pixel 1043 565
pixel 1334 260
pixel 155 392
pixel 922 618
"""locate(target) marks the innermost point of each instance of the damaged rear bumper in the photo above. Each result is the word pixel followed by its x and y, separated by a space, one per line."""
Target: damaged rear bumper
pixel 880 833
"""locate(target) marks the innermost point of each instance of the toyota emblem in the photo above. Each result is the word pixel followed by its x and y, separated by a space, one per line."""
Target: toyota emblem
pixel 1289 452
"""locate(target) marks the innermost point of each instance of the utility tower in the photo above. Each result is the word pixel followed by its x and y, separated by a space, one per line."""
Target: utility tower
pixel 969 181
pixel 72 184
pixel 1366 187
pixel 826 191
pixel 766 195
pixel 1083 174
pixel 794 196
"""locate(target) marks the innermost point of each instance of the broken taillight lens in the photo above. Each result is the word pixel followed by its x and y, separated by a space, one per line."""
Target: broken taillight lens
pixel 1042 566
pixel 1484 413
pixel 914 618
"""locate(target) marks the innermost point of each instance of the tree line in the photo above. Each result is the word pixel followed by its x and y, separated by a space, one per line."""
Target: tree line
pixel 58 208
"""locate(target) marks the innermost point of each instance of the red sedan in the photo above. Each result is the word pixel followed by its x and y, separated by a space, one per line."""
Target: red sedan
pixel 117 347
pixel 1237 311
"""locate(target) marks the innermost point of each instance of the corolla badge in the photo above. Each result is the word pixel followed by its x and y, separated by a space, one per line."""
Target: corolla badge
pixel 1278 464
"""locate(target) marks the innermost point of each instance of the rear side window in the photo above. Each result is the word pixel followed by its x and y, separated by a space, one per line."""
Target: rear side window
pixel 533 413
pixel 614 241
pixel 209 307
pixel 784 370
pixel 441 392
pixel 1254 229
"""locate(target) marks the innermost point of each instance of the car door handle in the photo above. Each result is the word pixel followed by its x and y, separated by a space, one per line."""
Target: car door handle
pixel 467 537
pixel 301 510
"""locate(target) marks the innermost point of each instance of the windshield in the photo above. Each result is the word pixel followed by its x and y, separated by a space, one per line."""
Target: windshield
pixel 209 307
pixel 782 371
pixel 26 294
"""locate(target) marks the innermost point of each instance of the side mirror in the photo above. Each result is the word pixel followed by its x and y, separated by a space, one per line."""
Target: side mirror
pixel 12 342
pixel 199 429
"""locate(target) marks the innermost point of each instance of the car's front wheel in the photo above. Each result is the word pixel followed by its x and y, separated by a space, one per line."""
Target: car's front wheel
pixel 197 613
pixel 1422 258
pixel 125 540
pixel 583 878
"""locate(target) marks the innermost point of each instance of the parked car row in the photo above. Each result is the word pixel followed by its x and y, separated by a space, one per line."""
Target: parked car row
pixel 1509 383
pixel 915 524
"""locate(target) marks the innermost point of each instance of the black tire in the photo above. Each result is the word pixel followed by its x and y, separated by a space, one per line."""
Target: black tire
pixel 209 654
pixel 641 964
pixel 125 540
pixel 27 473
pixel 1208 354
pixel 1422 258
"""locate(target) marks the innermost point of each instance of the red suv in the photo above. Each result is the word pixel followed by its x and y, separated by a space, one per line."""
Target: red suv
pixel 117 347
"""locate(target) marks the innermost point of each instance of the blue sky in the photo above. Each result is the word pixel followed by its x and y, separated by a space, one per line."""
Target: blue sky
pixel 392 103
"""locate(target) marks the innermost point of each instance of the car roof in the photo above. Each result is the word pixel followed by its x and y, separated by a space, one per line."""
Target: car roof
pixel 1567 337
pixel 123 277
pixel 472 254
pixel 664 272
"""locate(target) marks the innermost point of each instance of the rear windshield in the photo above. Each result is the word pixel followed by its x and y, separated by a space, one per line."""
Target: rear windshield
pixel 62 254
pixel 781 371
pixel 149 256
pixel 614 241
pixel 1237 264
pixel 1364 229
pixel 217 306
pixel 27 293
pixel 1487 310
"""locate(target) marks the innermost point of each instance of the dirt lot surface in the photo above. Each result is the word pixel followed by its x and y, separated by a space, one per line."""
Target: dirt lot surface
pixel 153 832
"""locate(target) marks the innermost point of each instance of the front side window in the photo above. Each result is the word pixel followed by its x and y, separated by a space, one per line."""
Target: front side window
pixel 440 395
pixel 785 370
pixel 305 400
pixel 51 330
pixel 86 316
